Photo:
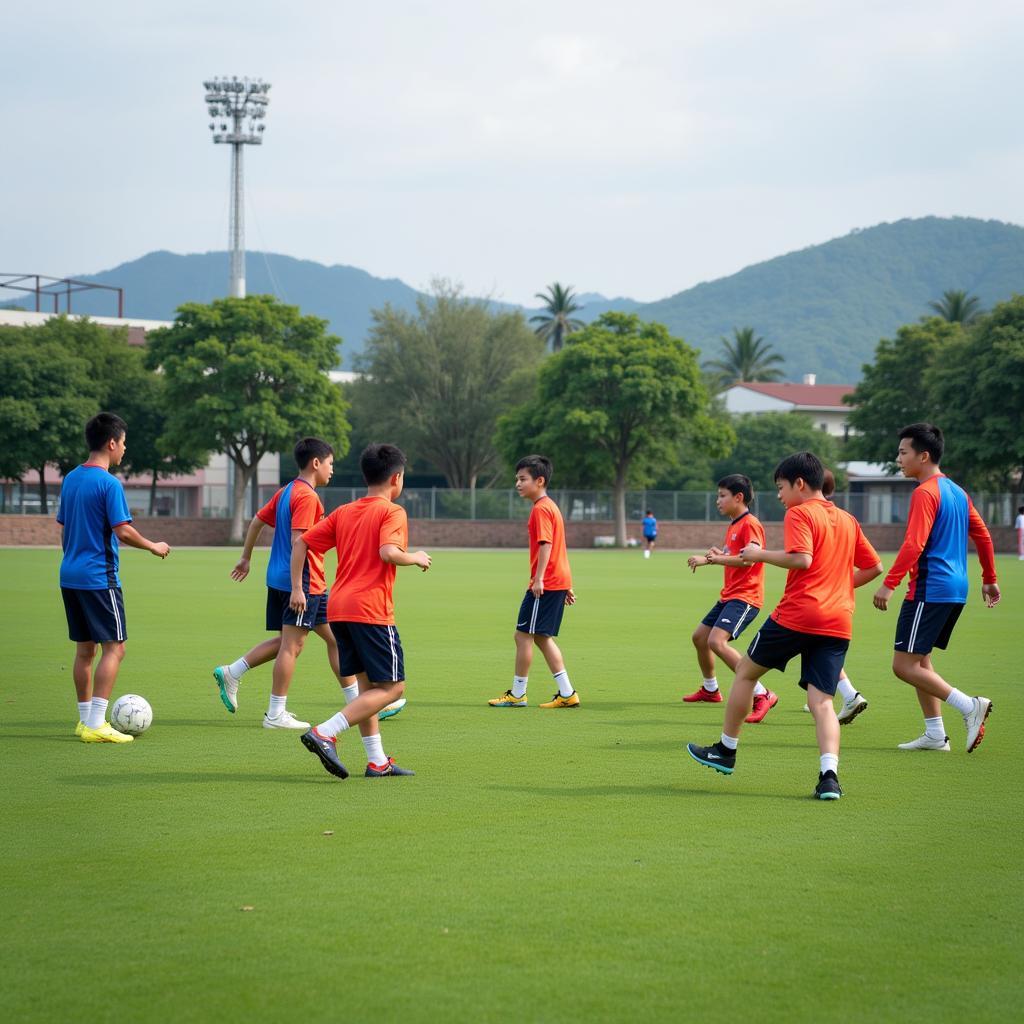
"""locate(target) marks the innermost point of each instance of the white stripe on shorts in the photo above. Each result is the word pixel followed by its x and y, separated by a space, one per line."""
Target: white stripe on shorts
pixel 753 646
pixel 913 628
pixel 533 616
pixel 117 615
pixel 394 654
pixel 739 625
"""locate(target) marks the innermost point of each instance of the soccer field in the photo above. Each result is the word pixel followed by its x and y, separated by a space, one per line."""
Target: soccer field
pixel 542 865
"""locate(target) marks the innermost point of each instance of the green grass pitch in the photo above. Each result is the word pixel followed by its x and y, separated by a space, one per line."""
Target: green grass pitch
pixel 543 865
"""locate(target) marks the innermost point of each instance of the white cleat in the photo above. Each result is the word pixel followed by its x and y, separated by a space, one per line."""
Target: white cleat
pixel 926 742
pixel 228 686
pixel 975 722
pixel 285 720
pixel 849 711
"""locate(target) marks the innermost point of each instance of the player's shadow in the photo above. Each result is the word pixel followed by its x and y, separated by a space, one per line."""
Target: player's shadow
pixel 660 790
pixel 176 778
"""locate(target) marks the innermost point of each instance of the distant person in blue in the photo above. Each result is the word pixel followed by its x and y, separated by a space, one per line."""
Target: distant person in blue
pixel 650 525
pixel 94 516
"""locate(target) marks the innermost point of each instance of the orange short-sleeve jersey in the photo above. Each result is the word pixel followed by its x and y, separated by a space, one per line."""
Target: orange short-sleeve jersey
pixel 363 586
pixel 546 527
pixel 744 583
pixel 820 599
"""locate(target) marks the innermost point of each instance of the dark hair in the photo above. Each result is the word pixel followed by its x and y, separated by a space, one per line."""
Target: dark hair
pixel 925 437
pixel 828 484
pixel 649 512
pixel 1020 509
pixel 537 466
pixel 379 462
pixel 737 483
pixel 310 448
pixel 804 466
pixel 104 427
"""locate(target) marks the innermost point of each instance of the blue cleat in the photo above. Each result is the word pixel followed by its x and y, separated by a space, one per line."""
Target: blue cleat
pixel 716 756
pixel 827 787
pixel 380 771
pixel 326 749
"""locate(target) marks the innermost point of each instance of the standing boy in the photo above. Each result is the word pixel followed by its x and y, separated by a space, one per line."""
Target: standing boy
pixel 371 536
pixel 550 590
pixel 650 528
pixel 1019 526
pixel 740 599
pixel 827 556
pixel 293 509
pixel 934 552
pixel 94 516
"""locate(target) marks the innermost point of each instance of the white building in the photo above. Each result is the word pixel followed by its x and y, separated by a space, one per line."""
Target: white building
pixel 822 402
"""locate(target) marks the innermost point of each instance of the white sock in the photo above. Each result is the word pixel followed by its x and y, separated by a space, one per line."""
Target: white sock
pixel 830 763
pixel 711 685
pixel 97 712
pixel 760 689
pixel 84 707
pixel 960 701
pixel 934 729
pixel 647 554
pixel 564 686
pixel 846 689
pixel 730 742
pixel 277 706
pixel 333 726
pixel 238 668
pixel 375 749
pixel 351 692
pixel 519 686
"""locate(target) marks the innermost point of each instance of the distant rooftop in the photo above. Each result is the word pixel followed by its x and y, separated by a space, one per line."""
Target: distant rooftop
pixel 806 396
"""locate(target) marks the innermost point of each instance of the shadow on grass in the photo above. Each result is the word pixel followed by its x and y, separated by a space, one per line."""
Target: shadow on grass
pixel 662 789
pixel 176 778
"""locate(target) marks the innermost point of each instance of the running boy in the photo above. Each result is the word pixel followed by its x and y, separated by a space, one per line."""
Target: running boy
pixel 550 590
pixel 740 599
pixel 293 509
pixel 650 528
pixel 934 552
pixel 827 556
pixel 371 536
pixel 93 514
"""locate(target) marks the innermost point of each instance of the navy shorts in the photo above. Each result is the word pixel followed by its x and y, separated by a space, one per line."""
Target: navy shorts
pixel 541 614
pixel 375 650
pixel 732 616
pixel 923 625
pixel 95 616
pixel 279 611
pixel 821 657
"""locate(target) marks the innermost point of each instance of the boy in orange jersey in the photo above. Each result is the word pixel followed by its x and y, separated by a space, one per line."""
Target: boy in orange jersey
pixel 740 599
pixel 371 536
pixel 550 590
pixel 827 556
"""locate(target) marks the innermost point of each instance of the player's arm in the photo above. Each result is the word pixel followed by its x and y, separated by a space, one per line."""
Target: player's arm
pixel 978 532
pixel 862 576
pixel 241 569
pixel 127 534
pixel 543 557
pixel 753 552
pixel 297 565
pixel 924 506
pixel 394 555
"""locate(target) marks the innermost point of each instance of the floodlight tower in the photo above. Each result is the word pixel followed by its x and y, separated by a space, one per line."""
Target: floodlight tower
pixel 236 101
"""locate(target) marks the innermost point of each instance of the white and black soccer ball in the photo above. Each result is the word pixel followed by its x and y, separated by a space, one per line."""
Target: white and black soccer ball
pixel 131 714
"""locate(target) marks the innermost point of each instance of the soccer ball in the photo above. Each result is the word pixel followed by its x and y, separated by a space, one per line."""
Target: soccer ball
pixel 131 714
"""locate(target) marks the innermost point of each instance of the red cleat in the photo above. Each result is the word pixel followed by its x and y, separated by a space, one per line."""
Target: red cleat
pixel 763 703
pixel 705 696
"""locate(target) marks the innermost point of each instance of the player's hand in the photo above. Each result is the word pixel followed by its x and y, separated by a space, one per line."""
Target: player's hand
pixel 570 597
pixel 881 598
pixel 694 560
pixel 716 551
pixel 241 569
pixel 422 559
pixel 297 602
pixel 752 552
pixel 162 549
pixel 990 594
pixel 537 588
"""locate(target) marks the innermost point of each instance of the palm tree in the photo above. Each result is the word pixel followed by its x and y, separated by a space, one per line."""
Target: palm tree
pixel 556 320
pixel 746 358
pixel 958 307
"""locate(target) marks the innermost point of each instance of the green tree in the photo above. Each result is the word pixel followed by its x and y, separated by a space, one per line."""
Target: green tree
pixel 556 322
pixel 745 358
pixel 436 381
pixel 611 407
pixel 957 307
pixel 247 377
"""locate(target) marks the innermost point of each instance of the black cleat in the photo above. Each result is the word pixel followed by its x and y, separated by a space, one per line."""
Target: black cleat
pixel 827 787
pixel 326 750
pixel 722 759
pixel 382 771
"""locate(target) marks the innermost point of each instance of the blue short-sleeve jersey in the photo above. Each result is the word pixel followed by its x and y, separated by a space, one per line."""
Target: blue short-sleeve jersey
pixel 650 525
pixel 92 503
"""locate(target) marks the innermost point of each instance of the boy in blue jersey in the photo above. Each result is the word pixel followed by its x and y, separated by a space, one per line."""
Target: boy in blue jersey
pixel 94 516
pixel 650 528
pixel 934 552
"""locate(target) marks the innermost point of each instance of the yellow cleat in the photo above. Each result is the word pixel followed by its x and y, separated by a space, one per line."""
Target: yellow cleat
pixel 508 700
pixel 80 728
pixel 558 701
pixel 106 733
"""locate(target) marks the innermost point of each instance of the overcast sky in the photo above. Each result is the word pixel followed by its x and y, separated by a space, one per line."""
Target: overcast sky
pixel 632 148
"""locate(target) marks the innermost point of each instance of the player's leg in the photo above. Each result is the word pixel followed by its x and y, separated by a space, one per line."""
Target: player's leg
pixel 81 673
pixel 229 676
pixel 826 726
pixel 515 695
pixel 566 697
pixel 293 639
pixel 349 684
pixel 708 691
pixel 853 700
pixel 97 729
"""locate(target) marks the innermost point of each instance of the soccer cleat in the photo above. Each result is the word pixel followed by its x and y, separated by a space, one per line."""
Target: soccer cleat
pixel 807 708
pixel 975 722
pixel 326 749
pixel 228 686
pixel 716 756
pixel 391 710
pixel 558 701
pixel 703 696
pixel 285 720
pixel 925 742
pixel 508 700
pixel 849 711
pixel 763 703
pixel 380 771
pixel 828 787
pixel 105 733
pixel 80 728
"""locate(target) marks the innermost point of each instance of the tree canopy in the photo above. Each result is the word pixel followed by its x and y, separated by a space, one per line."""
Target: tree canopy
pixel 745 358
pixel 556 322
pixel 957 307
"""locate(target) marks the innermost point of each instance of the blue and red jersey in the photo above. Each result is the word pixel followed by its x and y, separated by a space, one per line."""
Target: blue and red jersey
pixel 295 506
pixel 92 503
pixel 934 549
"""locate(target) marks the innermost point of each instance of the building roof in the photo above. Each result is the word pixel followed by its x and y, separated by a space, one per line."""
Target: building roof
pixel 806 396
